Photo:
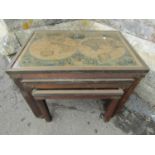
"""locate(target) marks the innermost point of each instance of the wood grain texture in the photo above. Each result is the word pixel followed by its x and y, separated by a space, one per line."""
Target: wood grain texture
pixel 76 83
pixel 75 75
pixel 29 99
pixel 77 94
pixel 59 92
pixel 44 110
pixel 110 109
pixel 97 65
pixel 126 95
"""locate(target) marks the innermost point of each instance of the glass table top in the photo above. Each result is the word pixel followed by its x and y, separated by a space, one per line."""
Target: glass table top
pixel 77 48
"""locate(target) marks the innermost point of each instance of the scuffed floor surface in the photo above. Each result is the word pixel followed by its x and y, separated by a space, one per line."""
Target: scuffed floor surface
pixel 134 123
pixel 72 116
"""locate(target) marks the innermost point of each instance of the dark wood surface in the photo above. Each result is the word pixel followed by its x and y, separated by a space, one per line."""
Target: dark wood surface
pixel 116 83
pixel 110 109
pixel 44 110
pixel 29 98
pixel 76 94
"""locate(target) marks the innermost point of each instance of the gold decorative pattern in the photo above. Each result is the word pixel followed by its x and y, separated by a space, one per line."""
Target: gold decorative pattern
pixel 94 48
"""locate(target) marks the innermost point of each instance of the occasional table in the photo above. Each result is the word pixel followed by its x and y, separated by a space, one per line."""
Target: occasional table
pixel 76 65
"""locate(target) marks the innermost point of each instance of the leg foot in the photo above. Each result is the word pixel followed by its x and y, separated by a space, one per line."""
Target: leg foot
pixel 44 110
pixel 110 110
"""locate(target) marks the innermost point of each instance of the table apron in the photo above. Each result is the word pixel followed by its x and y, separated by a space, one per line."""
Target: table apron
pixel 76 83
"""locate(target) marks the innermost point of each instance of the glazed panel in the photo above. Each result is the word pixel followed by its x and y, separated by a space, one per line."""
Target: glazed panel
pixel 78 49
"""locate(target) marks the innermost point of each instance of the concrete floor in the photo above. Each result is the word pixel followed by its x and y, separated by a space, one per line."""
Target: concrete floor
pixel 70 116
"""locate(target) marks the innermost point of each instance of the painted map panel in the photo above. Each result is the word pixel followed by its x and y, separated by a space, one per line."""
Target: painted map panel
pixel 75 48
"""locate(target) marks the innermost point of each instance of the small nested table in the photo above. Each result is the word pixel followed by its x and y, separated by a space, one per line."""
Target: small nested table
pixel 76 64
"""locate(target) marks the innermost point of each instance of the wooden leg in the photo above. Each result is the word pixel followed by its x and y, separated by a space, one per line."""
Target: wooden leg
pixel 110 110
pixel 44 110
pixel 29 99
pixel 106 104
pixel 32 104
pixel 126 95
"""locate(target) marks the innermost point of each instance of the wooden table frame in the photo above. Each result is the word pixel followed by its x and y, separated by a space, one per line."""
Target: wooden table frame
pixel 38 104
pixel 126 78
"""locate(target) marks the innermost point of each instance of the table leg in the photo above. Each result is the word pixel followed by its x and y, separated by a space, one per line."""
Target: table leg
pixel 110 110
pixel 44 110
pixel 29 99
pixel 126 95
